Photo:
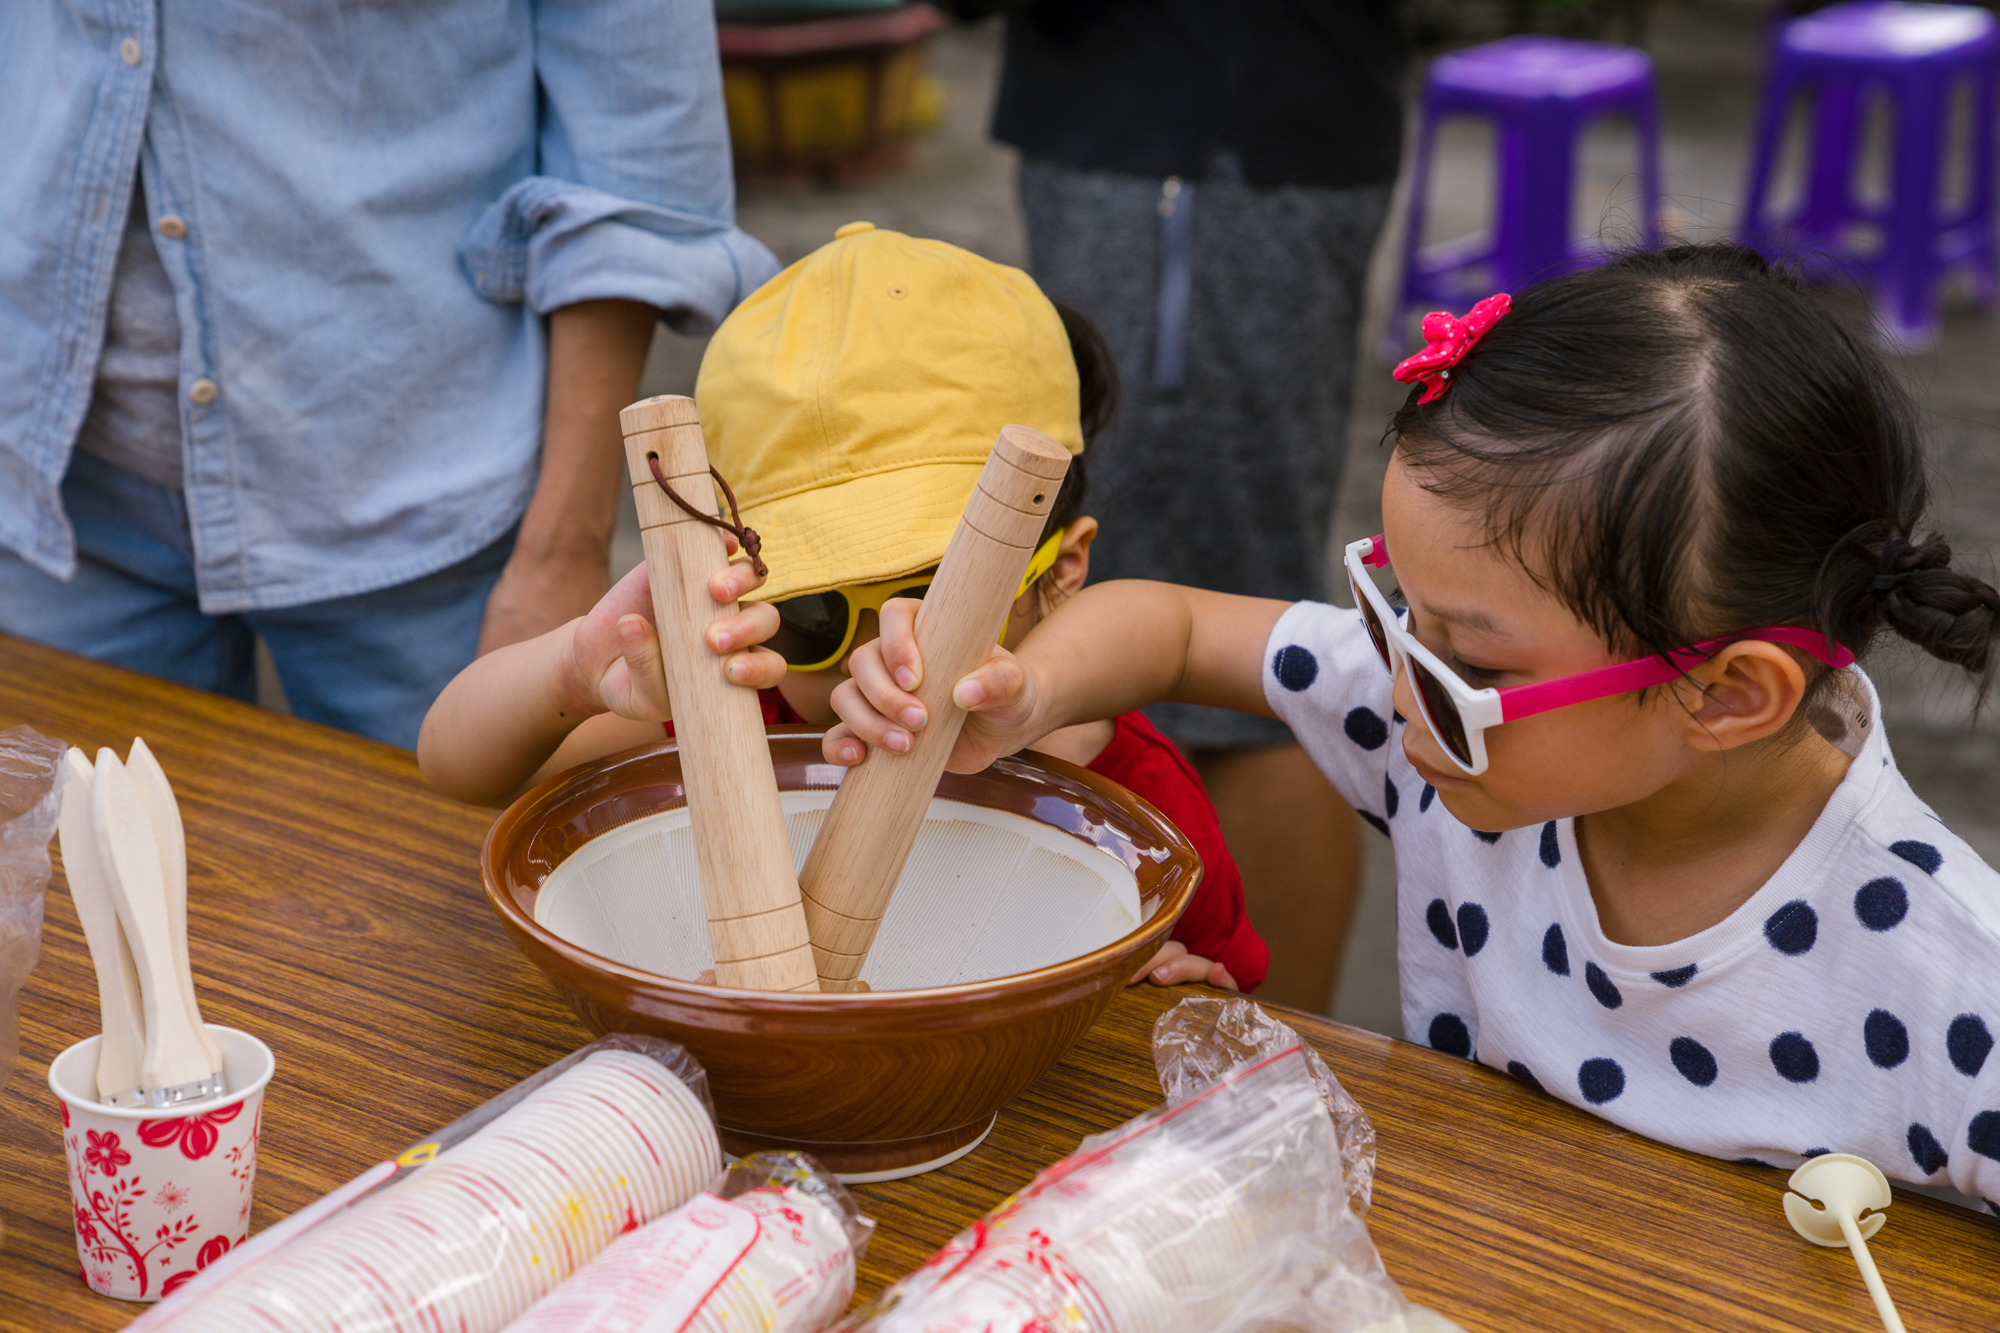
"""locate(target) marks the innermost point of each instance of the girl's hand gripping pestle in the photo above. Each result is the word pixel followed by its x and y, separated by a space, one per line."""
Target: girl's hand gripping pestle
pixel 859 853
pixel 755 923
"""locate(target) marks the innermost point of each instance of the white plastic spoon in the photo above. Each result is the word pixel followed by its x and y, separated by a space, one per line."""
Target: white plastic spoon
pixel 1847 1186
pixel 175 1068
pixel 158 794
pixel 120 1048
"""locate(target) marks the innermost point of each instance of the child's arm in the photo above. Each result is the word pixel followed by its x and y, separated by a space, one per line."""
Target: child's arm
pixel 585 689
pixel 1173 965
pixel 1108 650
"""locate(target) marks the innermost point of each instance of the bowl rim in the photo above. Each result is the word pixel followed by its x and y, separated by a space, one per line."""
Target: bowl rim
pixel 1181 857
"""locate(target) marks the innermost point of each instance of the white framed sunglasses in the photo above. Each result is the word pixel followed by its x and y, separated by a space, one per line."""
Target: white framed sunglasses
pixel 1459 715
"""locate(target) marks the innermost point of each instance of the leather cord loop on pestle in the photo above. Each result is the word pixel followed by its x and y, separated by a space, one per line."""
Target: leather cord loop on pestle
pixel 747 538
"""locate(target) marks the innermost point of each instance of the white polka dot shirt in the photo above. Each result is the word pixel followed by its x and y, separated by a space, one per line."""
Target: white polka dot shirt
pixel 1851 1005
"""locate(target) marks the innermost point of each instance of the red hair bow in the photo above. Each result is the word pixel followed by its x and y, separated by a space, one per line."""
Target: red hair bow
pixel 1449 339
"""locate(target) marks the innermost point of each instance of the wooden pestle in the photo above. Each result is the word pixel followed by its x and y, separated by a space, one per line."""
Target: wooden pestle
pixel 756 925
pixel 876 814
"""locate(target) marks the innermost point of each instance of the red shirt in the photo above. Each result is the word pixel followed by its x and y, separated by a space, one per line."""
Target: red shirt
pixel 1140 759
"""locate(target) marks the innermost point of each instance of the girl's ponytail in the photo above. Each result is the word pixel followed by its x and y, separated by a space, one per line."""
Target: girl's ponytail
pixel 1880 578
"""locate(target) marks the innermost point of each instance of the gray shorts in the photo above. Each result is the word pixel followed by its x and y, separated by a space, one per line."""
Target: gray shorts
pixel 1224 464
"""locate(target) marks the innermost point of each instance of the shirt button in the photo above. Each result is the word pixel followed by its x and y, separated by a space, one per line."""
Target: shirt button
pixel 172 227
pixel 129 52
pixel 202 391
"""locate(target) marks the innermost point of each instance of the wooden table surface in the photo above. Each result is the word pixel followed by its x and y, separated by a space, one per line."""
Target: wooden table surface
pixel 335 911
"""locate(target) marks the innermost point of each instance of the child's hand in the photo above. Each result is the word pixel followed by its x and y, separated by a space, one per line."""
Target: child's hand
pixel 877 708
pixel 1173 964
pixel 613 661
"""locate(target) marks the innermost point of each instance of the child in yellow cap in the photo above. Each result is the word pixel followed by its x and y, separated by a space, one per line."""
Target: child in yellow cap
pixel 851 402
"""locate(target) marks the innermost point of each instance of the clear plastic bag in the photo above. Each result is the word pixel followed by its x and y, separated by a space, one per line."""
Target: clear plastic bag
pixel 771 1247
pixel 31 771
pixel 1225 1211
pixel 1199 1041
pixel 1332 1283
pixel 470 1227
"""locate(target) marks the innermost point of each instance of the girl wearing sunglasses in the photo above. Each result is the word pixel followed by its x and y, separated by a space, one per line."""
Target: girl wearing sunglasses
pixel 850 403
pixel 1653 853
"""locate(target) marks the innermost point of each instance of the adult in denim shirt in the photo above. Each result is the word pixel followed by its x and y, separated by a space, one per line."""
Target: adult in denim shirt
pixel 315 319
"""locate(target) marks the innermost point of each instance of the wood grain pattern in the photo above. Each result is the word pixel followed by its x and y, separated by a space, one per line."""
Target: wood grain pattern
pixel 756 923
pixel 857 857
pixel 335 911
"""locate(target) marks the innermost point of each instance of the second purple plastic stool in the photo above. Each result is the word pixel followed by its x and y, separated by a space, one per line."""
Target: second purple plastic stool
pixel 1914 55
pixel 1540 93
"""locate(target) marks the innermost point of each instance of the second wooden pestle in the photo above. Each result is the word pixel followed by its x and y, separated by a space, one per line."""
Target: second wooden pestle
pixel 857 858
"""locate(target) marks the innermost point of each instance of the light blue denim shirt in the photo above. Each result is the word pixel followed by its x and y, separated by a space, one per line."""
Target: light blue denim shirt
pixel 365 208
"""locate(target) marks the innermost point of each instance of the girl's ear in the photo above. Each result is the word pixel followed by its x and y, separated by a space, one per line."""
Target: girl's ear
pixel 1072 567
pixel 1750 690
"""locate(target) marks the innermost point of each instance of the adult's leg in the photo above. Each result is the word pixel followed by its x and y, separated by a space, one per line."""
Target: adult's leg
pixel 373 663
pixel 1227 479
pixel 1298 845
pixel 132 600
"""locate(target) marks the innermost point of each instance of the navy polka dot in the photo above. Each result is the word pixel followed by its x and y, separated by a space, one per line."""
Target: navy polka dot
pixel 1881 903
pixel 1919 854
pixel 1552 854
pixel 1365 727
pixel 1449 1034
pixel 1983 1134
pixel 1391 798
pixel 1472 928
pixel 1969 1042
pixel 1926 1151
pixel 1438 917
pixel 1488 838
pixel 1601 986
pixel 1811 1153
pixel 1888 1041
pixel 1424 801
pixel 1376 822
pixel 1991 1207
pixel 1522 1074
pixel 1398 718
pixel 1694 1061
pixel 1675 977
pixel 1295 668
pixel 1755 1161
pixel 1794 1057
pixel 1555 953
pixel 1792 928
pixel 1600 1080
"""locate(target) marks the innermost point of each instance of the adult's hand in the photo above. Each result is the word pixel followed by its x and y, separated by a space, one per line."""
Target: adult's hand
pixel 597 351
pixel 541 589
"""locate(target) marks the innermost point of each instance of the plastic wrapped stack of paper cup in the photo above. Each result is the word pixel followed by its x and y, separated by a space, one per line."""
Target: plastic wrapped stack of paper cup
pixel 471 1240
pixel 1160 1226
pixel 771 1249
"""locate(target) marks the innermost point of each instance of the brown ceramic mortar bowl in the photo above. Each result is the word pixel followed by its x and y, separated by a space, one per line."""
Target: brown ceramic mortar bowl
pixel 877 1085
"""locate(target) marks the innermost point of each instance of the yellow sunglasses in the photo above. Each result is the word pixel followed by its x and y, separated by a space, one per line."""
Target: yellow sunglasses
pixel 816 630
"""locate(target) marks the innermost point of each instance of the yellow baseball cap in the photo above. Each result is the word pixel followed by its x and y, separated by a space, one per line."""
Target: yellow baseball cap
pixel 852 400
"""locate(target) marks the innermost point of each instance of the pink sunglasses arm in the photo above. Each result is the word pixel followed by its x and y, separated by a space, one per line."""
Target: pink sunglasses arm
pixel 1518 701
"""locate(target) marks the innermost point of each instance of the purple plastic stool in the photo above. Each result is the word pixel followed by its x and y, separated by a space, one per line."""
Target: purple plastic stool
pixel 1540 93
pixel 1915 54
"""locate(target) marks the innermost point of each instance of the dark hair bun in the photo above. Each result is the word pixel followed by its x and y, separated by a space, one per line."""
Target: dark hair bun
pixel 1950 615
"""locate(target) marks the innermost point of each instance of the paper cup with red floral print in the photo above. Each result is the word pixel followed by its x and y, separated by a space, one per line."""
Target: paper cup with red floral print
pixel 159 1195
